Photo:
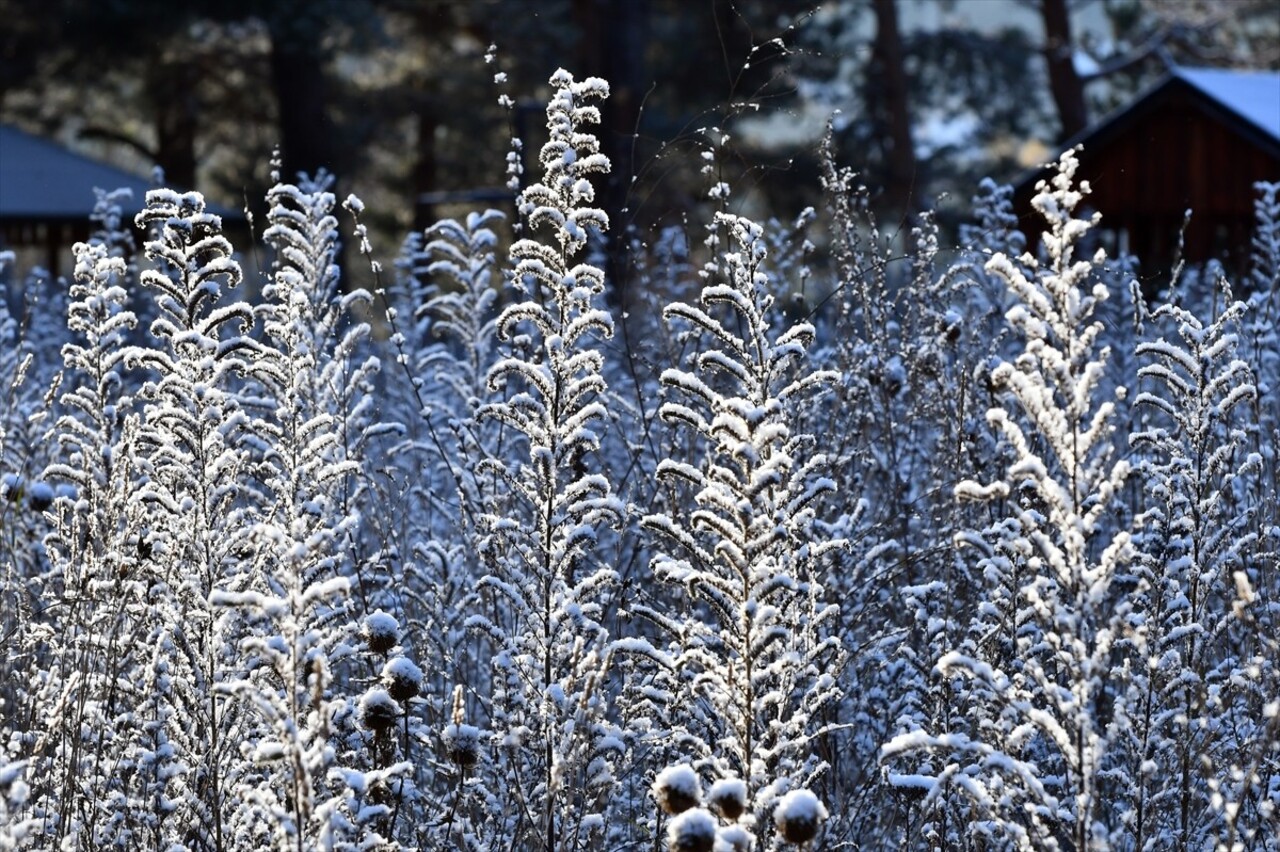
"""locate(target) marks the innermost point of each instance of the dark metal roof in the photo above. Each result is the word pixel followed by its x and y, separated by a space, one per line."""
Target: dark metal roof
pixel 42 181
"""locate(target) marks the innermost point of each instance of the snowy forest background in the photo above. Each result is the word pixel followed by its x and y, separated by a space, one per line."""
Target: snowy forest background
pixel 830 533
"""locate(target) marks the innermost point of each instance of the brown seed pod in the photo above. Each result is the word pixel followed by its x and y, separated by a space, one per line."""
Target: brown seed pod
pixel 728 797
pixel 798 816
pixel 677 789
pixel 692 831
pixel 402 678
pixel 462 742
pixel 381 632
pixel 378 711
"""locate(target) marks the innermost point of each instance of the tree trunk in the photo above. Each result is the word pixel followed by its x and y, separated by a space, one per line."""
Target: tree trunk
pixel 177 111
pixel 425 167
pixel 613 37
pixel 889 92
pixel 297 75
pixel 1064 82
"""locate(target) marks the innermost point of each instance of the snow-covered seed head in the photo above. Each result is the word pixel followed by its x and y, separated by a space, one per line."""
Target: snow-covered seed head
pixel 381 632
pixel 798 816
pixel 11 487
pixel 692 831
pixel 378 710
pixel 728 797
pixel 462 743
pixel 736 838
pixel 676 789
pixel 40 496
pixel 402 677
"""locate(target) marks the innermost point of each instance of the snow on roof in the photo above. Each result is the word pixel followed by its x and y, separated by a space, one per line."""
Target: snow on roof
pixel 40 179
pixel 1253 95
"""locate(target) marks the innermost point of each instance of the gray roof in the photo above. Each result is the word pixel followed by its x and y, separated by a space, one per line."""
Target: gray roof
pixel 41 180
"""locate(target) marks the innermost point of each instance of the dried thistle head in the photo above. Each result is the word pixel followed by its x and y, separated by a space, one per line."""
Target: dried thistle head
pixel 692 831
pixel 381 631
pixel 798 816
pixel 461 741
pixel 728 797
pixel 677 789
pixel 736 838
pixel 402 678
pixel 378 710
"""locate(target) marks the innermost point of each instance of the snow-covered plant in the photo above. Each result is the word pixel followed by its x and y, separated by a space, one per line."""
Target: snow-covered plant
pixel 14 791
pixel 1261 342
pixel 913 338
pixel 994 225
pixel 283 802
pixel 11 582
pixel 191 454
pixel 29 381
pixel 798 816
pixel 453 301
pixel 758 656
pixel 698 824
pixel 317 376
pixel 112 230
pixel 1035 766
pixel 1198 533
pixel 693 830
pixel 462 318
pixel 237 615
pixel 96 402
pixel 429 549
pixel 677 788
pixel 23 494
pixel 459 309
pixel 385 714
pixel 295 601
pixel 89 639
pixel 549 705
pixel 1264 259
pixel 462 744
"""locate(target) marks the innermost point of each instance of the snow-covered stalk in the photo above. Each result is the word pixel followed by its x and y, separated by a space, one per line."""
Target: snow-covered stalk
pixel 1198 534
pixel 1261 340
pixel 1064 549
pixel 87 694
pixel 295 602
pixel 192 455
pixel 763 663
pixel 550 704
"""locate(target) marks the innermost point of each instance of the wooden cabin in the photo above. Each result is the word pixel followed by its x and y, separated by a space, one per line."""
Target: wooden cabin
pixel 1198 140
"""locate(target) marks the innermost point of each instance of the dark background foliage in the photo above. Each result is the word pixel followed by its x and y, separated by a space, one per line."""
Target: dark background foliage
pixel 395 98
